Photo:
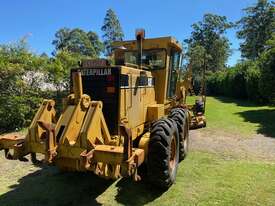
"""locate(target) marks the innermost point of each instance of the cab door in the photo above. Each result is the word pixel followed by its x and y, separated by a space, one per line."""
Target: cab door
pixel 172 75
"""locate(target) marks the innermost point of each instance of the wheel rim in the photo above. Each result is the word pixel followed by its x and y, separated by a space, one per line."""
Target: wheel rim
pixel 173 149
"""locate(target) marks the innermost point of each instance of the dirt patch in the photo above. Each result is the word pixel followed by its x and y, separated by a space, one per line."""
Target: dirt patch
pixel 256 147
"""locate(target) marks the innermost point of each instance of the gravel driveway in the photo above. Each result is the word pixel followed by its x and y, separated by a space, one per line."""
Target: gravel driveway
pixel 256 147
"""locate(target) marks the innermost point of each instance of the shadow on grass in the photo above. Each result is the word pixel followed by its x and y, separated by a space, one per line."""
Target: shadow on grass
pixel 136 193
pixel 264 117
pixel 49 186
pixel 239 102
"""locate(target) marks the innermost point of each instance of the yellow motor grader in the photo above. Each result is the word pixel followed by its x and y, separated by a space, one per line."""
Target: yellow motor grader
pixel 117 117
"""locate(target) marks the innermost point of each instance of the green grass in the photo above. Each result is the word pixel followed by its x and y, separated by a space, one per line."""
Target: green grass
pixel 239 117
pixel 203 179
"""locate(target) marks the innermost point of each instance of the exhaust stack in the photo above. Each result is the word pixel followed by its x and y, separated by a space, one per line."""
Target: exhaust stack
pixel 140 35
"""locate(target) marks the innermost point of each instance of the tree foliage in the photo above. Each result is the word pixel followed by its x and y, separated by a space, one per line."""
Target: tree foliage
pixel 208 41
pixel 19 88
pixel 267 66
pixel 78 41
pixel 255 28
pixel 58 69
pixel 112 30
pixel 252 79
pixel 240 81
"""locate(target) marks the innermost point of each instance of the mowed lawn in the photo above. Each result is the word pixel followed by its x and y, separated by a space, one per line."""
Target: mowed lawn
pixel 203 178
pixel 238 116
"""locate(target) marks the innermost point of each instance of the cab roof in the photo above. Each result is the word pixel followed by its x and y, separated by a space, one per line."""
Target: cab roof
pixel 151 43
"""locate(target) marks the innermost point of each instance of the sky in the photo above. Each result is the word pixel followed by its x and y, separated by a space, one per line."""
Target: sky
pixel 40 19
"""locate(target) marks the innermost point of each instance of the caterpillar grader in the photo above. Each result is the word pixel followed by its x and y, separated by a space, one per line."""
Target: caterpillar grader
pixel 118 117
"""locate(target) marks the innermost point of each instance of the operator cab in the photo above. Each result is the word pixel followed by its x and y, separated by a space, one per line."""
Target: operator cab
pixel 161 56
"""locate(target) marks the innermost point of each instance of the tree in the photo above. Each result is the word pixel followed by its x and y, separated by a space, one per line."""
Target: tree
pixel 59 67
pixel 197 57
pixel 255 28
pixel 98 46
pixel 20 82
pixel 78 41
pixel 112 30
pixel 208 41
pixel 267 67
pixel 61 40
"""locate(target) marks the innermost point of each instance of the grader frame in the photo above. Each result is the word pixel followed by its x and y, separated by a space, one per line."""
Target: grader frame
pixel 83 140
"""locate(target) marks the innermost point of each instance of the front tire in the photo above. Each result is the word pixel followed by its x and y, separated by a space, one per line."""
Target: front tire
pixel 163 153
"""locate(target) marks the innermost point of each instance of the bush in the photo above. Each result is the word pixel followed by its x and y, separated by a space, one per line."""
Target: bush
pixel 214 82
pixel 240 81
pixel 17 111
pixel 252 77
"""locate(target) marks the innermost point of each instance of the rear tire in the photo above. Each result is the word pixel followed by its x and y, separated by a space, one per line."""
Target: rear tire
pixel 180 116
pixel 163 153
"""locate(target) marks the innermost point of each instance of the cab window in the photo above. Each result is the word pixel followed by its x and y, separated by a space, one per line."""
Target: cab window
pixel 172 76
pixel 152 59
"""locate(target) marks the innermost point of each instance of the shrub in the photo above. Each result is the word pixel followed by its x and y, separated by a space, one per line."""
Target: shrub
pixel 241 81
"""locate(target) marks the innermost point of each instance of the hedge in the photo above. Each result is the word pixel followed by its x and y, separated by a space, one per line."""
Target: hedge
pixel 241 81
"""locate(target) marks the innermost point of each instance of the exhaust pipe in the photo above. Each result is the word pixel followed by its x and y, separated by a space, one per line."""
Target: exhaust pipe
pixel 140 35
